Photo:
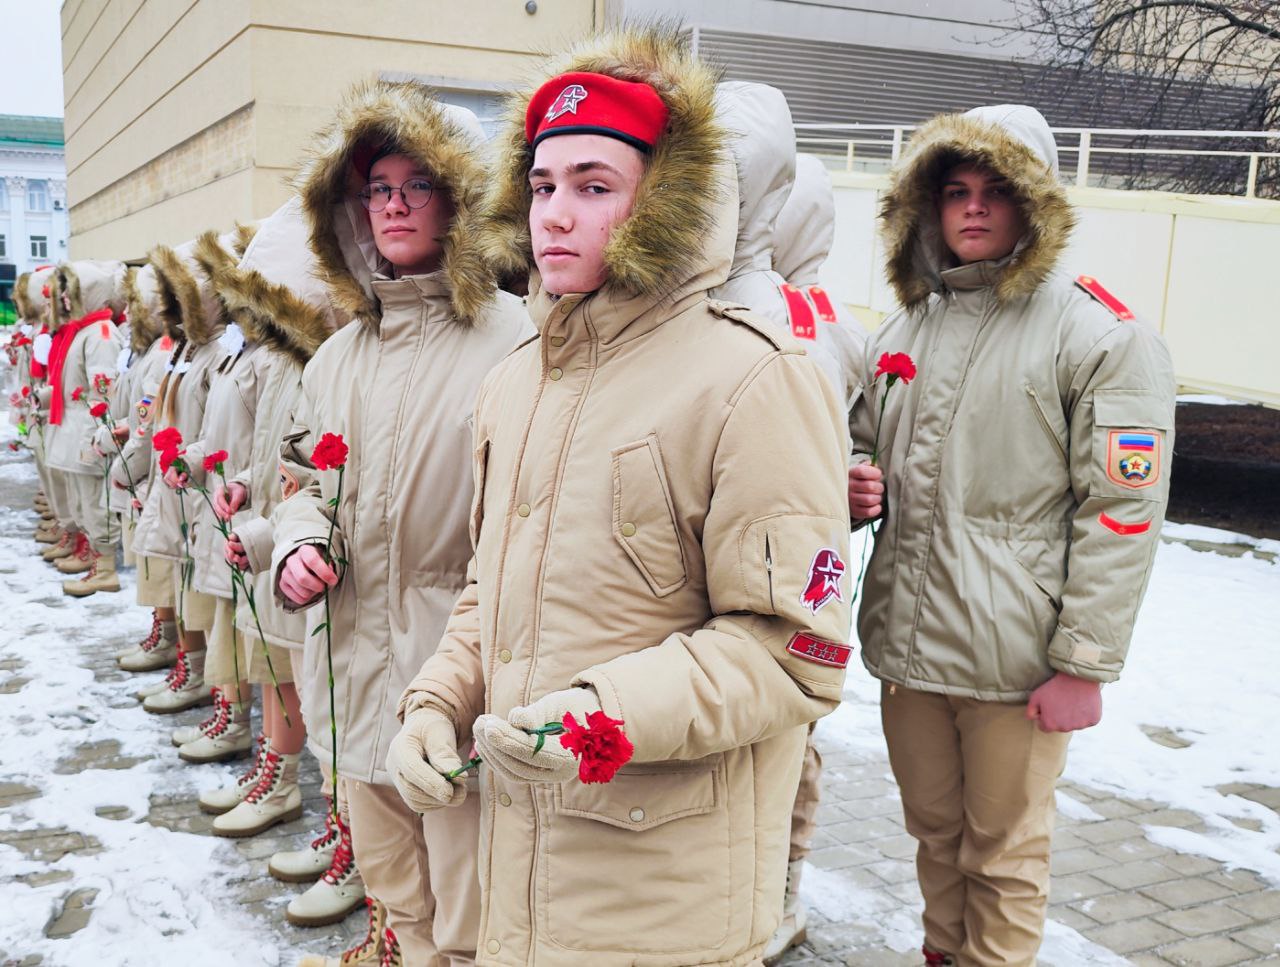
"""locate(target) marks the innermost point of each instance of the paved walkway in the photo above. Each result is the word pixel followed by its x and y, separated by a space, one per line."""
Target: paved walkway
pixel 1113 889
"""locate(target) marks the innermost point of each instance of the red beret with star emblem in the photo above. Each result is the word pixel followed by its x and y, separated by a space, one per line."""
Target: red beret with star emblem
pixel 584 103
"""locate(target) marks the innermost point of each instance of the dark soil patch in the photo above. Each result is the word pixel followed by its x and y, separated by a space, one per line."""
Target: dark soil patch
pixel 1226 468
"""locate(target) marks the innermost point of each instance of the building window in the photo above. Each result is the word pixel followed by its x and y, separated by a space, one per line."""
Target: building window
pixel 4 247
pixel 37 197
pixel 39 246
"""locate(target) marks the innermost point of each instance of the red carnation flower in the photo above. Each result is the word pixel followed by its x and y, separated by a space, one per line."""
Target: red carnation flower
pixel 101 383
pixel 97 410
pixel 897 366
pixel 77 393
pixel 168 457
pixel 13 447
pixel 602 747
pixel 26 391
pixel 212 461
pixel 330 453
pixel 167 439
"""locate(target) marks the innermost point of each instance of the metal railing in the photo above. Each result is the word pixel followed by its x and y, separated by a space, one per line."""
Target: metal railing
pixel 875 147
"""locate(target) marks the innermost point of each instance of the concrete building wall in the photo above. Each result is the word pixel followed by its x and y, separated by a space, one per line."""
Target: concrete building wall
pixel 184 115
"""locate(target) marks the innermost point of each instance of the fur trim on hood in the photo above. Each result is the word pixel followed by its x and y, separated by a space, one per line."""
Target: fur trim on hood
pixel 445 140
pixel 140 297
pixel 1014 141
pixel 273 292
pixel 662 244
pixel 79 288
pixel 20 302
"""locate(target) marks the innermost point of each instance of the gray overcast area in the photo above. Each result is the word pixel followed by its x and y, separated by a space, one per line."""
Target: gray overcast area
pixel 31 64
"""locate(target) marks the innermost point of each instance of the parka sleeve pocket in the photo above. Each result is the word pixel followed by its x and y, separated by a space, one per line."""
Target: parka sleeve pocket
pixel 644 516
pixel 1130 444
pixel 480 471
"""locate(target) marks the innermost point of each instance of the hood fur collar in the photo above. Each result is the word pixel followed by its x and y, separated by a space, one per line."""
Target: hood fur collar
pixel 912 238
pixel 375 116
pixel 662 245
pixel 144 326
pixel 20 301
pixel 179 304
pixel 66 300
pixel 79 288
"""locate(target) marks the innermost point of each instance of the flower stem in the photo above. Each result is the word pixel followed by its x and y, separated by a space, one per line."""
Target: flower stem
pixel 328 641
pixel 551 728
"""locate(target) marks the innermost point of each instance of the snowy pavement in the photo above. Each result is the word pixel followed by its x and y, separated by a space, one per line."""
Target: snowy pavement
pixel 1168 849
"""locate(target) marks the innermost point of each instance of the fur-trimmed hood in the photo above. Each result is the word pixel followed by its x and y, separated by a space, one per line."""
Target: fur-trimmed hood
pixel 806 226
pixel 1011 139
pixel 36 300
pixel 20 302
pixel 79 288
pixel 444 139
pixel 758 119
pixel 187 304
pixel 141 300
pixel 274 293
pixel 675 230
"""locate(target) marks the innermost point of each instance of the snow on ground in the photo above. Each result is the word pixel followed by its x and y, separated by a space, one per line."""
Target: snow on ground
pixel 1210 400
pixel 1203 666
pixel 158 890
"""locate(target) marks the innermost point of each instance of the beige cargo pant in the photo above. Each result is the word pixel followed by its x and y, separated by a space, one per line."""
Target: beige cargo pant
pixel 423 869
pixel 804 814
pixel 977 782
pixel 89 510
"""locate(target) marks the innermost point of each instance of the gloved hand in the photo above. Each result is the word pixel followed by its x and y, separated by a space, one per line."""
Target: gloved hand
pixel 508 749
pixel 425 748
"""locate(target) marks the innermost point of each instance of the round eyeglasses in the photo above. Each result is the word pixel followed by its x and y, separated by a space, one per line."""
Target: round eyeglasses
pixel 377 195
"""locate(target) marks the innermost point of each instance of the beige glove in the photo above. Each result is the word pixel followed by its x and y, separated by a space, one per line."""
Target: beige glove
pixel 425 748
pixel 509 750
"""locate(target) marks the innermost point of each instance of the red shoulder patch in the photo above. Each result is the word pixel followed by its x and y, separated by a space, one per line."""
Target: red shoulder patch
pixel 822 302
pixel 1099 294
pixel 800 312
pixel 829 653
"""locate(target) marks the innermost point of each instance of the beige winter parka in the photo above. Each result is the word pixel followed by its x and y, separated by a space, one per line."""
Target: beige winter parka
pixel 802 239
pixel 194 318
pixel 274 294
pixel 1027 465
pixel 765 168
pixel 399 385
pixel 78 289
pixel 658 476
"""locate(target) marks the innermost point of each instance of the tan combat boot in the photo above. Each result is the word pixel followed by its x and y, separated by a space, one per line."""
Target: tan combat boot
pixel 219 801
pixel 308 864
pixel 101 577
pixel 227 737
pixel 368 952
pixel 63 545
pixel 158 650
pixel 186 688
pixel 153 636
pixel 339 891
pixel 275 799
pixel 791 932
pixel 47 532
pixel 81 558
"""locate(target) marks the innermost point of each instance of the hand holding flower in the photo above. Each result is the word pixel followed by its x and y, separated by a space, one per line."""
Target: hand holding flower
pixel 229 499
pixel 235 554
pixel 306 575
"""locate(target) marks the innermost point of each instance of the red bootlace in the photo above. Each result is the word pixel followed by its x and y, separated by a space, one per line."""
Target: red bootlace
pixel 325 839
pixel 153 636
pixel 343 857
pixel 221 717
pixel 267 780
pixel 934 958
pixel 82 547
pixel 390 949
pixel 255 770
pixel 180 672
pixel 371 937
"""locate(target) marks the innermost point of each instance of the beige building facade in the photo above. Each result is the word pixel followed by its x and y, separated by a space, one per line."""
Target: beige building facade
pixel 186 115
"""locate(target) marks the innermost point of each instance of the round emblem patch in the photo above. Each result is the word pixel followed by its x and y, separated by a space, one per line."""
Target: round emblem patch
pixel 1135 466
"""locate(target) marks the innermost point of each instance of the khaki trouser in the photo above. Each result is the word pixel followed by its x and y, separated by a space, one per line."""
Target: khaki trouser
pixel 155 582
pixel 195 608
pixel 977 781
pixel 220 661
pixel 423 869
pixel 60 499
pixel 89 510
pixel 804 814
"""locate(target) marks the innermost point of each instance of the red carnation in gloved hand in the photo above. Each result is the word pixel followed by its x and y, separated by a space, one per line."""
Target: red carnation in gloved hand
pixel 330 453
pixel 97 410
pixel 601 746
pixel 213 462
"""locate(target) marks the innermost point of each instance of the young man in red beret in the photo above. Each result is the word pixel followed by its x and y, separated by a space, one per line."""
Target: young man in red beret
pixel 660 532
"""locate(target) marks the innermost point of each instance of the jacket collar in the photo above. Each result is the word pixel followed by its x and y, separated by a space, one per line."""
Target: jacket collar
pixel 411 300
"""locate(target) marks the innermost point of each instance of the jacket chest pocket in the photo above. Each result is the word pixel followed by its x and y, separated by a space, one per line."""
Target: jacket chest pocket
pixel 644 517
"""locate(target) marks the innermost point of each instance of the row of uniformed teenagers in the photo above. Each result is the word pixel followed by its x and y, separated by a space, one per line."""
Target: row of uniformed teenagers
pixel 629 494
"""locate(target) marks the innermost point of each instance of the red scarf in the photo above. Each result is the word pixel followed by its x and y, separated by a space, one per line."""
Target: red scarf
pixel 62 340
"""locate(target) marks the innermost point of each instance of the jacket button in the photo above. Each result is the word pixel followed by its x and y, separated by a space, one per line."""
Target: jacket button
pixel 557 341
pixel 504 656
pixel 493 946
pixel 637 815
pixel 556 373
pixel 523 510
pixel 628 529
pixel 504 799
